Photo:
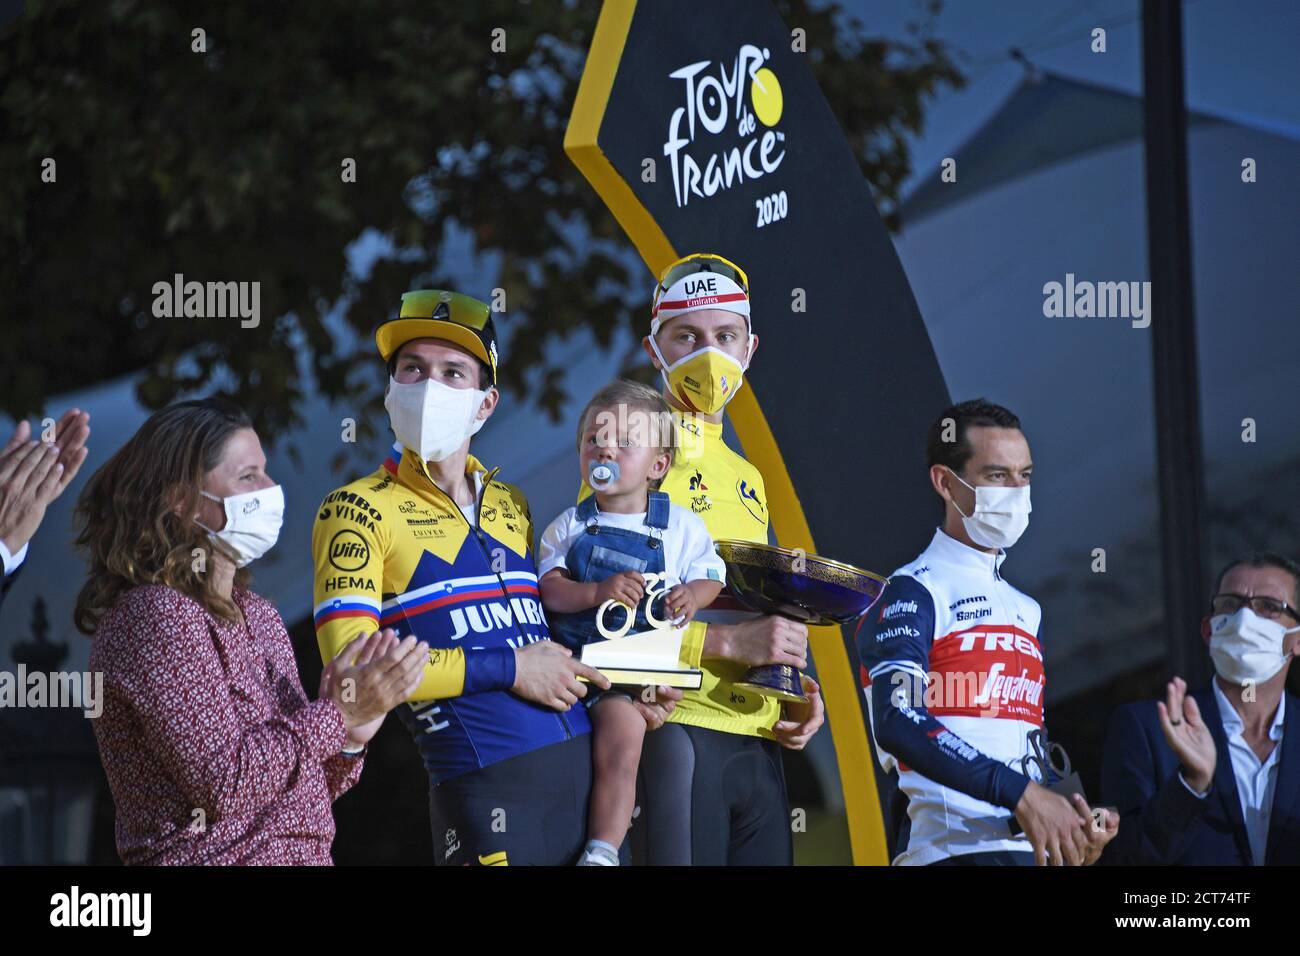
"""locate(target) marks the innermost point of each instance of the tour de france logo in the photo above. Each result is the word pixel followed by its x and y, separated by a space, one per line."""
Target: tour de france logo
pixel 714 140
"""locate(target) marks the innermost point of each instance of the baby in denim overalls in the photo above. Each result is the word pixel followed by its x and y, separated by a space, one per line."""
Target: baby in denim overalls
pixel 601 551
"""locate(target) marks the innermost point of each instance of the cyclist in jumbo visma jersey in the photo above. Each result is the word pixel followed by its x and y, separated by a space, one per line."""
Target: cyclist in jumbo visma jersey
pixel 712 788
pixel 430 544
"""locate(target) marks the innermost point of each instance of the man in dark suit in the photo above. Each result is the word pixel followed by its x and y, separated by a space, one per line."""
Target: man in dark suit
pixel 1214 777
pixel 33 474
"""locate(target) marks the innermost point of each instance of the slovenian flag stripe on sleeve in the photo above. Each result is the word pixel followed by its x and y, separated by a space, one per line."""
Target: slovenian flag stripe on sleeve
pixel 346 605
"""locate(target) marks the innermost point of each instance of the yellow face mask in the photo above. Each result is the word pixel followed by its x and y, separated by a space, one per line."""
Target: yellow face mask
pixel 705 380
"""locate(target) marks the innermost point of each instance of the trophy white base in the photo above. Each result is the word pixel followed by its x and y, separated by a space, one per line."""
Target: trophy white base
pixel 647 659
pixel 637 677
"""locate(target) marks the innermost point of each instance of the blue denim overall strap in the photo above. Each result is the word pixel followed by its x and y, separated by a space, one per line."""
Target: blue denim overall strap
pixel 656 515
pixel 603 551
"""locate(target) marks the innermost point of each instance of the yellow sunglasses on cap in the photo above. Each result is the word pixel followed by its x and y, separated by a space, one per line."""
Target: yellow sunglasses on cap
pixel 701 262
pixel 436 313
pixel 459 308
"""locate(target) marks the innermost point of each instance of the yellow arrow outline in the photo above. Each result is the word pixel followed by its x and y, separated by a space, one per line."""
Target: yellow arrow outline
pixel 839 683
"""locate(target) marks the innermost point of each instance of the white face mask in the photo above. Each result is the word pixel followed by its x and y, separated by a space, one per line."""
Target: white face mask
pixel 253 522
pixel 1246 647
pixel 1000 517
pixel 431 418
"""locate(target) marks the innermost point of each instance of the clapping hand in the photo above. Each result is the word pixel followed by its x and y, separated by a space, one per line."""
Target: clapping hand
pixel 370 677
pixel 34 473
pixel 1188 737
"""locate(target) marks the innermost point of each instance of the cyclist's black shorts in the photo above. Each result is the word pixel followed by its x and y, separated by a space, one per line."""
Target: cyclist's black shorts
pixel 529 810
pixel 710 798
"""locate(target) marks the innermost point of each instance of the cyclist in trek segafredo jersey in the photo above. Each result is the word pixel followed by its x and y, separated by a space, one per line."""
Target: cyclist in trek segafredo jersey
pixel 950 617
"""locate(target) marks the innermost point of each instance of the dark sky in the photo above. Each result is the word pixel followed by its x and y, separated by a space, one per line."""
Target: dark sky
pixel 1239 56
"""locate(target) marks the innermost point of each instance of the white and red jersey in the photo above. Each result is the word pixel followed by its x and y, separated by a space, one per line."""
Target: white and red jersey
pixel 953 673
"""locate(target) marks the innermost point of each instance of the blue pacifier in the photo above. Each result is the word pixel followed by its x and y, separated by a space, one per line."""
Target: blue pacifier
pixel 602 474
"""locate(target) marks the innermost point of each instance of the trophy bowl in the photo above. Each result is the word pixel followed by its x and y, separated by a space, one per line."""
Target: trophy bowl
pixel 804 587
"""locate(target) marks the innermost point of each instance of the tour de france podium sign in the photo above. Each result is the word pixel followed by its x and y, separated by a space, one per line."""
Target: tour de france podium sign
pixel 702 128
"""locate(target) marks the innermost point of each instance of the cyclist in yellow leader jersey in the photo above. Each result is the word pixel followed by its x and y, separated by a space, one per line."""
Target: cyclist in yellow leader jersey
pixel 713 786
